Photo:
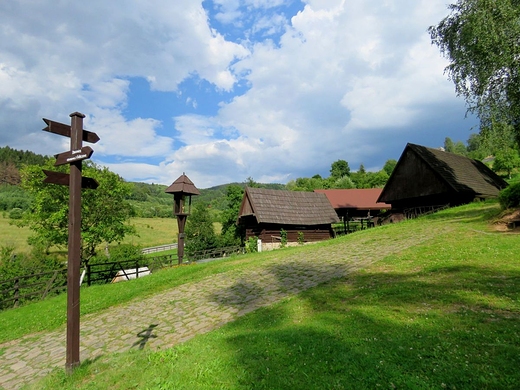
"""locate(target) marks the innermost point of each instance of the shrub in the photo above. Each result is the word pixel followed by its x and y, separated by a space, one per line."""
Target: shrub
pixel 16 213
pixel 252 244
pixel 301 238
pixel 283 238
pixel 510 196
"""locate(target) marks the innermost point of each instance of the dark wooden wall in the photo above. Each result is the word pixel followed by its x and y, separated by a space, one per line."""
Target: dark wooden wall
pixel 271 233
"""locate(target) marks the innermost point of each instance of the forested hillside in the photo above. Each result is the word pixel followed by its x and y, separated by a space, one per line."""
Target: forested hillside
pixel 147 200
pixel 150 200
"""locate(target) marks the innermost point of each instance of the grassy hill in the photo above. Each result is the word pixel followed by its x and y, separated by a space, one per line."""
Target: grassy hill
pixel 428 303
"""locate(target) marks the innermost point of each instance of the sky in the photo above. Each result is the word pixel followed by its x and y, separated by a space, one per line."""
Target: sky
pixel 226 90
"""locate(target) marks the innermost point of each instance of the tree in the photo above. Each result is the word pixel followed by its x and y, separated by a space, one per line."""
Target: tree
pixel 339 169
pixel 250 182
pixel 455 147
pixel 389 166
pixel 498 136
pixel 481 39
pixel 449 146
pixel 344 182
pixel 104 210
pixel 506 160
pixel 377 179
pixel 360 178
pixel 307 184
pixel 200 234
pixel 232 234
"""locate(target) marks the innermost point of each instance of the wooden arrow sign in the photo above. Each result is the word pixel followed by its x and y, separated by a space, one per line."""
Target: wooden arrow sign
pixel 64 178
pixel 63 129
pixel 73 155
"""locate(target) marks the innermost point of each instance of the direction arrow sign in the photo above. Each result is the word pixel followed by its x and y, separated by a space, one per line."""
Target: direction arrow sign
pixel 64 178
pixel 63 129
pixel 73 155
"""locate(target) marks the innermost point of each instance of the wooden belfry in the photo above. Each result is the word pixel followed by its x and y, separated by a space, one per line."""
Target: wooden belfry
pixel 181 189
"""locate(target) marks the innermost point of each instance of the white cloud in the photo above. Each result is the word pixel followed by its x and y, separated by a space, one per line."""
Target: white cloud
pixel 354 80
pixel 62 57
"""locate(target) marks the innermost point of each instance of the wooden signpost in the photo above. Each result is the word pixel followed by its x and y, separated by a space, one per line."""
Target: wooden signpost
pixel 75 181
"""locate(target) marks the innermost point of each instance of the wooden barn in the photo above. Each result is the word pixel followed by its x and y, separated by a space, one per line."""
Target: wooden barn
pixel 356 205
pixel 264 212
pixel 356 202
pixel 426 178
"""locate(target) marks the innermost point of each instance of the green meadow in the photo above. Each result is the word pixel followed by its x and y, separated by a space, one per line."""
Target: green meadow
pixel 443 312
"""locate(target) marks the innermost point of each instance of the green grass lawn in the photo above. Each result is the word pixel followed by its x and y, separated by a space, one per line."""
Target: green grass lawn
pixel 13 236
pixel 151 232
pixel 444 313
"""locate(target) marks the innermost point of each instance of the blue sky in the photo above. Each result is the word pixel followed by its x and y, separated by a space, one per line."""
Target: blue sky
pixel 224 90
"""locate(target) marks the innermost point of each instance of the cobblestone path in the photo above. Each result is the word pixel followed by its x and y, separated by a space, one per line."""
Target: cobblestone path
pixel 176 315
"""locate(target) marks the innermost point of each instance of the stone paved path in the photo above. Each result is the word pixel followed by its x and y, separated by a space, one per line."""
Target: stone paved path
pixel 176 315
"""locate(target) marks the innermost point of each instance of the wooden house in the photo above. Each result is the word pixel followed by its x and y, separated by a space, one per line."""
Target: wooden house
pixel 264 212
pixel 426 178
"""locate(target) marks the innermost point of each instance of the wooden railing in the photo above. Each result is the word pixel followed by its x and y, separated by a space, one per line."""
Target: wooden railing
pixel 30 287
pixel 21 289
pixel 215 253
pixel 415 212
pixel 160 248
pixel 106 272
pixel 16 291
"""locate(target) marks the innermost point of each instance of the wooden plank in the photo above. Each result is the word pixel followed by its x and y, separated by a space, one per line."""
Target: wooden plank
pixel 73 155
pixel 64 130
pixel 64 179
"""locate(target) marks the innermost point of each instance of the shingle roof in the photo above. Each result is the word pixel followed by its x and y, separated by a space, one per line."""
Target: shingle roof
pixel 459 172
pixel 182 184
pixel 356 198
pixel 287 207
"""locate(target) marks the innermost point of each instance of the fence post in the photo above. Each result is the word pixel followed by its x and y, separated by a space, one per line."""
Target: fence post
pixel 88 275
pixel 137 269
pixel 16 291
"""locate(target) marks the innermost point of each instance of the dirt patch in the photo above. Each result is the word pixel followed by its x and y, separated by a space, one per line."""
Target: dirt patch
pixel 505 223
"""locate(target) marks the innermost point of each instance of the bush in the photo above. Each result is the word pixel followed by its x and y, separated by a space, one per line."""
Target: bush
pixel 16 213
pixel 301 238
pixel 283 238
pixel 510 196
pixel 252 245
pixel 124 252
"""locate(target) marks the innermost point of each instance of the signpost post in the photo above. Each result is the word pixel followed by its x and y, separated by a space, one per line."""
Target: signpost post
pixel 75 181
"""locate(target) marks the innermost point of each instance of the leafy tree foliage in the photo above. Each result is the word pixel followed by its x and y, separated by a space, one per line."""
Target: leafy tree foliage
pixel 200 234
pixel 449 146
pixel 232 234
pixel 13 197
pixel 506 160
pixel 455 147
pixel 344 182
pixel 389 166
pixel 104 210
pixel 481 39
pixel 307 184
pixel 339 169
pixel 509 197
pixel 19 157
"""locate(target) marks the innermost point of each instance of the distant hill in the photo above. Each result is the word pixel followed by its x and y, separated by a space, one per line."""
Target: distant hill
pixel 148 200
pixel 11 160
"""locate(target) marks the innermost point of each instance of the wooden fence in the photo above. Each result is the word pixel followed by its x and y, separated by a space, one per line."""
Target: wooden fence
pixel 215 253
pixel 14 292
pixel 32 287
pixel 105 272
pixel 160 248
